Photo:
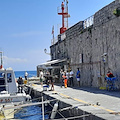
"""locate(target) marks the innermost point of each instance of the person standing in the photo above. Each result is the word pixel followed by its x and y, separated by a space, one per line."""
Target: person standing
pixel 20 85
pixel 52 82
pixel 26 74
pixel 65 79
pixel 61 77
pixel 71 78
pixel 78 76
pixel 68 75
pixel 109 74
pixel 41 77
pixel 47 78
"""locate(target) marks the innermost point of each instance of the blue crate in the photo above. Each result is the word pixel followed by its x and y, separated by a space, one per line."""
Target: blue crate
pixel 45 87
pixel 110 83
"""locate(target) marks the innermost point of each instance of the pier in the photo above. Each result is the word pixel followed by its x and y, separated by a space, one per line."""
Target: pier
pixel 82 103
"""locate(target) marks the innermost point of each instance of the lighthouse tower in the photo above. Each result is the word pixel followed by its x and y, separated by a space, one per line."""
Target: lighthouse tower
pixel 64 13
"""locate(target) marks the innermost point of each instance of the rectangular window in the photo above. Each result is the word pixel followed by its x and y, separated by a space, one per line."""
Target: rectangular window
pixel 2 81
pixel 81 58
pixel 2 75
pixel 9 77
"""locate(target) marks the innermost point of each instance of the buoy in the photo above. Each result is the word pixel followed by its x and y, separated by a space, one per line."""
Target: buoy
pixel 54 111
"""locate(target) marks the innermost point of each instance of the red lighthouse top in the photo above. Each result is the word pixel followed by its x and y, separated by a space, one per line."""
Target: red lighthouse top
pixel 62 5
pixel 64 13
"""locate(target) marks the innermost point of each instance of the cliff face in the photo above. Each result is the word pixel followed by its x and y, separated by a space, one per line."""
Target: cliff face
pixel 89 42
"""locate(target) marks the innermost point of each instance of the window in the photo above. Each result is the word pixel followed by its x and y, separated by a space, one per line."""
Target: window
pixel 2 75
pixel 2 81
pixel 9 77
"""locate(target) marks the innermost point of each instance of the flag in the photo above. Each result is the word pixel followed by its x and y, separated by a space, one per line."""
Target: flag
pixel 53 29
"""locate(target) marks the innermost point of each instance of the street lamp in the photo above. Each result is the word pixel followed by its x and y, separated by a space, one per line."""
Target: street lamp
pixel 45 50
pixel 104 57
pixel 1 61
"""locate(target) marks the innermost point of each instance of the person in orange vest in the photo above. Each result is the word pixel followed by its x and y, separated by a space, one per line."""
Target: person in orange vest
pixel 110 74
pixel 65 79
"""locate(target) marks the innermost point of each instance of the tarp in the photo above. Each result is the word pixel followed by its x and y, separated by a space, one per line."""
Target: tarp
pixel 52 62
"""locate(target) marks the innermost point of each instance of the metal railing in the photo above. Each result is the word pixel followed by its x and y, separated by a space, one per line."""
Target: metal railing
pixel 54 40
pixel 88 22
pixel 59 10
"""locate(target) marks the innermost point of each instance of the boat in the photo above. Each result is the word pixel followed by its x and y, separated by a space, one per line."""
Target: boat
pixel 9 92
pixel 9 88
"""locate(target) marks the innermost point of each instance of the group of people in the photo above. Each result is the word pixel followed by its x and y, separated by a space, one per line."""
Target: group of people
pixel 48 79
pixel 67 78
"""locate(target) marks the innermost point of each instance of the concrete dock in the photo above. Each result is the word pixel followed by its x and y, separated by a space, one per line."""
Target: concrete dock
pixel 100 103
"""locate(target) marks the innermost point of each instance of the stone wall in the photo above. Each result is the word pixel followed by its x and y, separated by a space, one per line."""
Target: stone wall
pixel 106 14
pixel 102 37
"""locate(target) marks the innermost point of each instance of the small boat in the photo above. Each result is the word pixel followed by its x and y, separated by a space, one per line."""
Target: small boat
pixel 9 88
pixel 9 95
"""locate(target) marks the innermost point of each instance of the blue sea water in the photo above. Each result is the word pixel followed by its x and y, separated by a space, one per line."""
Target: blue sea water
pixel 22 74
pixel 31 112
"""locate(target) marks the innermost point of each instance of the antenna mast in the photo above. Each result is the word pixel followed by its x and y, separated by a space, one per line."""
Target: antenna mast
pixel 64 13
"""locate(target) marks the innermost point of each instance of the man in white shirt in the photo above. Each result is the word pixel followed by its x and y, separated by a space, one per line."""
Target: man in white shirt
pixel 41 76
pixel 61 78
pixel 26 74
pixel 71 78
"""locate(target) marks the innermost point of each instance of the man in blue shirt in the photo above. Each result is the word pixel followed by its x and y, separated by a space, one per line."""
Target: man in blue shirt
pixel 78 76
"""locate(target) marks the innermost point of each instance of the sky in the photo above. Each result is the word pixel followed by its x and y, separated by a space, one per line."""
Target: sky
pixel 26 28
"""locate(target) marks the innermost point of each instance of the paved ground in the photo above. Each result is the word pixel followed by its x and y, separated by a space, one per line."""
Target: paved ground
pixel 101 103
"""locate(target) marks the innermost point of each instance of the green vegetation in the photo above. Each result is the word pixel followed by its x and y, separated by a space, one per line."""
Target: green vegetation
pixel 116 12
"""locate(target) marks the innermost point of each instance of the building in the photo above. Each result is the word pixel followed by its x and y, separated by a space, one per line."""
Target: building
pixel 93 45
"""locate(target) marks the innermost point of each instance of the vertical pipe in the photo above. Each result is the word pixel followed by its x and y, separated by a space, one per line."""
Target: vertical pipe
pixel 67 13
pixel 43 108
pixel 62 14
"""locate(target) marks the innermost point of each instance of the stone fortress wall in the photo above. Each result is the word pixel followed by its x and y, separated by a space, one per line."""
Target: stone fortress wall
pixel 85 44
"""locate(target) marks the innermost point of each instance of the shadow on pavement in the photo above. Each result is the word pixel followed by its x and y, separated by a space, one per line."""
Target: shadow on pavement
pixel 113 93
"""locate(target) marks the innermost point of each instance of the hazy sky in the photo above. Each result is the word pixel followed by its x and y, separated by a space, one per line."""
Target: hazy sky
pixel 26 26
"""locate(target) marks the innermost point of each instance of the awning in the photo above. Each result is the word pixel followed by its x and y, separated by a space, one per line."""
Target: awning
pixel 50 63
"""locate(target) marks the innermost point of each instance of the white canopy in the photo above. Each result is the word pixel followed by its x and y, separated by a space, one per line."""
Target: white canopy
pixel 49 63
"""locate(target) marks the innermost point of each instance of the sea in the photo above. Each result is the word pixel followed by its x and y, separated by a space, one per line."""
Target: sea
pixel 22 74
pixel 31 112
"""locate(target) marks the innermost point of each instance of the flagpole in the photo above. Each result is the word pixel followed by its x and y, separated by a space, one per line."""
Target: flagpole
pixel 53 34
pixel 53 39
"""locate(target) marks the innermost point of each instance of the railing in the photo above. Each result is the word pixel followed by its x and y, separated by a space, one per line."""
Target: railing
pixel 59 10
pixel 61 37
pixel 88 22
pixel 54 40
